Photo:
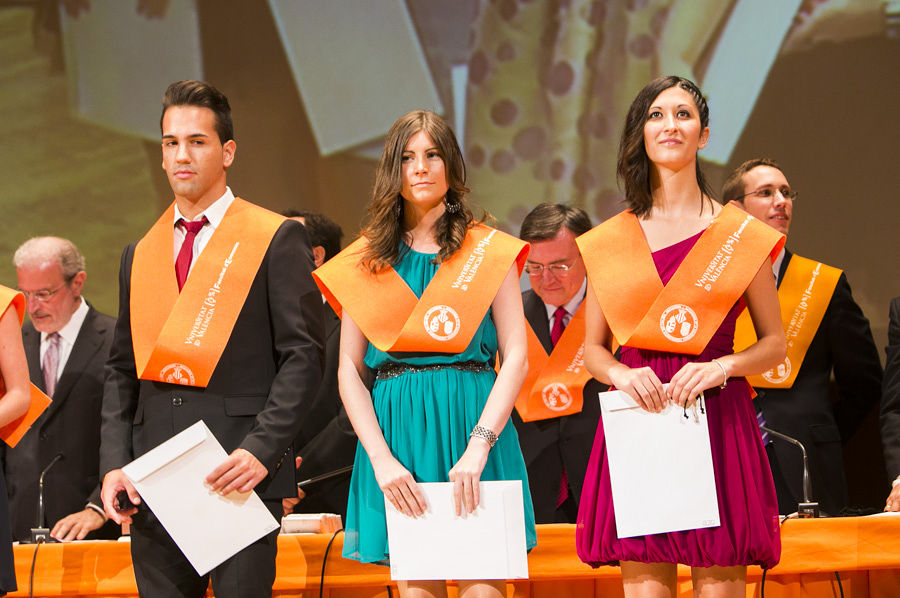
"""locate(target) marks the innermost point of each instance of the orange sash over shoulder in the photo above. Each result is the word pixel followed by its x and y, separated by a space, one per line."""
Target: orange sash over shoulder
pixel 179 338
pixel 13 432
pixel 683 315
pixel 554 384
pixel 804 295
pixel 445 318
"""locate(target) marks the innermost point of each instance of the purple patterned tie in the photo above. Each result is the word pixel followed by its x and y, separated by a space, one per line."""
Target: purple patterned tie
pixel 761 421
pixel 50 364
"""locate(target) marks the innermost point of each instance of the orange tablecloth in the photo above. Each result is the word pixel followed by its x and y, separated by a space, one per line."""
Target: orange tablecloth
pixel 864 550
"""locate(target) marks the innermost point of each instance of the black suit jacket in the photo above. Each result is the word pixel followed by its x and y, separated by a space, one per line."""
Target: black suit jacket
pixel 553 444
pixel 890 397
pixel 70 425
pixel 263 383
pixel 843 344
pixel 328 440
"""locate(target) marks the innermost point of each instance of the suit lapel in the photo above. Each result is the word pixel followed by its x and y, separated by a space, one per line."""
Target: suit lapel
pixel 86 345
pixel 331 321
pixel 784 264
pixel 31 338
pixel 536 314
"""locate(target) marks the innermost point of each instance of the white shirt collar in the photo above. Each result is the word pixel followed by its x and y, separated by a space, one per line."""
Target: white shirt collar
pixel 214 213
pixel 574 303
pixel 69 332
pixel 776 265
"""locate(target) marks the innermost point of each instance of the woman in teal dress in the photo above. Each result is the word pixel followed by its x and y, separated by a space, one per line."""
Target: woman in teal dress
pixel 430 417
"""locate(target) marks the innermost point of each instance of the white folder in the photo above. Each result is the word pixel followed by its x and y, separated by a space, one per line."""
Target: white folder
pixel 660 467
pixel 487 544
pixel 208 528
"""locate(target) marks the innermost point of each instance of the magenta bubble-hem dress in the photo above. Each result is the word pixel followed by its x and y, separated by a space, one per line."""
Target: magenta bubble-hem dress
pixel 748 510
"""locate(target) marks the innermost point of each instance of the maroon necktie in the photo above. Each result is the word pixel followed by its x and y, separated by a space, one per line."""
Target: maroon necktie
pixel 559 324
pixel 186 254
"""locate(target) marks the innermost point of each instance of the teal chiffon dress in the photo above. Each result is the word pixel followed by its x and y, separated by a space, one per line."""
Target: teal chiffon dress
pixel 426 417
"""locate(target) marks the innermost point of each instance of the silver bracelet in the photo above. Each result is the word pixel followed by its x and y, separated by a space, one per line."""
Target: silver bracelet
pixel 724 373
pixel 484 433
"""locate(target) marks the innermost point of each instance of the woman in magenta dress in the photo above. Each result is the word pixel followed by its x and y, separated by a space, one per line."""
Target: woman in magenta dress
pixel 665 189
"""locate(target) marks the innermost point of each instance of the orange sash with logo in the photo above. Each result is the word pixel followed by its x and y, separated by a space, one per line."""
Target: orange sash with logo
pixel 683 315
pixel 445 318
pixel 554 384
pixel 179 337
pixel 13 432
pixel 804 295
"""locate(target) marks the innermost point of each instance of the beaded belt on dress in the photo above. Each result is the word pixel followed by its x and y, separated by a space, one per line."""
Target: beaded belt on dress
pixel 392 369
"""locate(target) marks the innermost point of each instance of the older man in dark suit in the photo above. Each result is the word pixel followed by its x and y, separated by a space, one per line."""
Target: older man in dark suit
pixel 556 449
pixel 251 367
pixel 66 343
pixel 841 343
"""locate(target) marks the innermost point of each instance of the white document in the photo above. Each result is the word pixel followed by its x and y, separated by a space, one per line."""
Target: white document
pixel 207 527
pixel 488 544
pixel 660 467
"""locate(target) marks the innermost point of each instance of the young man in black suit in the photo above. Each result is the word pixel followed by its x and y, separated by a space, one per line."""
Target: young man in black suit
pixel 261 379
pixel 66 344
pixel 556 450
pixel 842 343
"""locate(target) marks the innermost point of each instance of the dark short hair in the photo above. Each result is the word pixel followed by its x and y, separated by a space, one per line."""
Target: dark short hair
pixel 323 231
pixel 203 95
pixel 733 189
pixel 546 220
pixel 633 165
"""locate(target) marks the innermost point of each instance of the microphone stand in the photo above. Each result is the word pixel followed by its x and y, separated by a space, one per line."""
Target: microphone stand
pixel 41 533
pixel 808 508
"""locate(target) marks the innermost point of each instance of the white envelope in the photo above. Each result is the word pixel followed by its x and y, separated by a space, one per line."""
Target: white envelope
pixel 488 544
pixel 660 467
pixel 207 527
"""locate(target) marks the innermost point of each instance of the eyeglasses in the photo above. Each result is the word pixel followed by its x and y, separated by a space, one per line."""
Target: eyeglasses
pixel 536 270
pixel 43 295
pixel 769 193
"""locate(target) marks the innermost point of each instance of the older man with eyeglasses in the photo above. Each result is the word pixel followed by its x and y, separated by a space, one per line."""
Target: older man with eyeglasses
pixel 66 344
pixel 826 331
pixel 557 411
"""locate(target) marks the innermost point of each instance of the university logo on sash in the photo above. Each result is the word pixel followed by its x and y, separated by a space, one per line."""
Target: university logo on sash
pixel 13 432
pixel 554 383
pixel 444 319
pixel 681 316
pixel 179 337
pixel 804 295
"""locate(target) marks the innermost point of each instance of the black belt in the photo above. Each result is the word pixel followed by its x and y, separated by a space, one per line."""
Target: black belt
pixel 392 369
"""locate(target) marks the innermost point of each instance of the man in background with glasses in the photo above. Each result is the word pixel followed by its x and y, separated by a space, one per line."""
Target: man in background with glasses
pixel 66 343
pixel 557 410
pixel 826 331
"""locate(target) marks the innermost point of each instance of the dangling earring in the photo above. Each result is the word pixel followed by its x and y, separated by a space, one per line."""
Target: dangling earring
pixel 398 206
pixel 452 206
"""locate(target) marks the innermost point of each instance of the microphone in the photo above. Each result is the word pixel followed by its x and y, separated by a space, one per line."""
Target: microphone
pixel 808 508
pixel 325 476
pixel 41 533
